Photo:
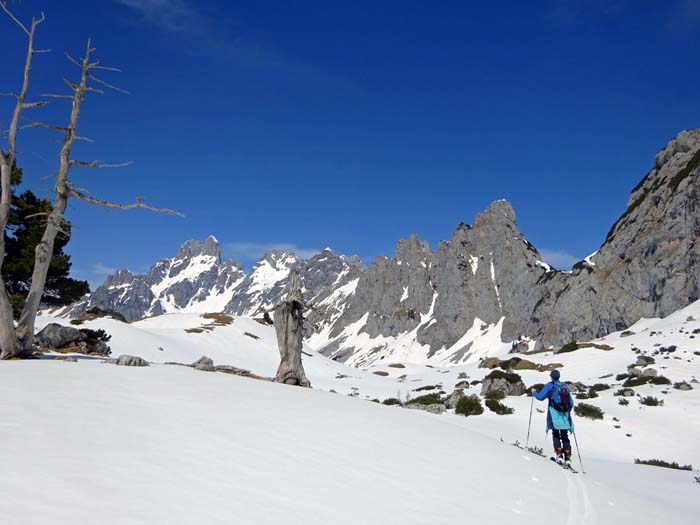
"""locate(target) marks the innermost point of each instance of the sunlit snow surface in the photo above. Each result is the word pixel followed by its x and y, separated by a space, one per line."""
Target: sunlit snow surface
pixel 89 442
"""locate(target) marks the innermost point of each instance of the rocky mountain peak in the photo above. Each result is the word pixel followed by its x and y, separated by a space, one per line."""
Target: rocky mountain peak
pixel 681 147
pixel 119 278
pixel 499 213
pixel 193 248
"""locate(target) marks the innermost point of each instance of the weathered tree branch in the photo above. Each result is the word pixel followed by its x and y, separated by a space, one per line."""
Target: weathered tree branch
pixel 96 164
pixel 137 204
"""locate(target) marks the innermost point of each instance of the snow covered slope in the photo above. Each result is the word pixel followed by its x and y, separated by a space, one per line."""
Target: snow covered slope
pixel 96 443
pixel 252 346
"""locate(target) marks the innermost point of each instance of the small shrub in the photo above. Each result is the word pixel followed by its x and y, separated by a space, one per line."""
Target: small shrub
pixel 623 401
pixel 99 335
pixel 568 347
pixel 636 381
pixel 499 408
pixel 621 377
pixel 511 377
pixel 537 386
pixel 391 401
pixel 662 463
pixel 599 387
pixel 95 313
pixel 426 387
pixel 668 349
pixel 660 380
pixel 507 365
pixel 427 399
pixel 495 395
pixel 589 411
pixel 651 401
pixel 469 406
pixel 76 322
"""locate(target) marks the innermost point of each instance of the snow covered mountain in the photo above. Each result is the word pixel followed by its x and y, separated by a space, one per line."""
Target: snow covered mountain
pixel 196 280
pixel 484 289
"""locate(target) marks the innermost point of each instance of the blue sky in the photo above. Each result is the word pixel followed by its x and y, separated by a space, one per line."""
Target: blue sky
pixel 352 124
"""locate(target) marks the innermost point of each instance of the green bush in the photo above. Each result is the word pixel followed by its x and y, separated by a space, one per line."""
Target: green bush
pixel 469 406
pixel 651 401
pixel 427 399
pixel 536 386
pixel 589 411
pixel 660 380
pixel 599 387
pixel 662 463
pixel 391 401
pixel 636 381
pixel 623 401
pixel 496 406
pixel 568 347
pixel 511 377
pixel 496 395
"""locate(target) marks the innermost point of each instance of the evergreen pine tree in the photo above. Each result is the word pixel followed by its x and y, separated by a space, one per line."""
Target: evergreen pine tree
pixel 24 231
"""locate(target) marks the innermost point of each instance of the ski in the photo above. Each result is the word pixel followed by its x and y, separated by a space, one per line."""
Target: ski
pixel 564 465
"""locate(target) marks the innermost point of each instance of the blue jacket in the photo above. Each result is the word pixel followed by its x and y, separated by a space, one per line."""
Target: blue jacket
pixel 555 419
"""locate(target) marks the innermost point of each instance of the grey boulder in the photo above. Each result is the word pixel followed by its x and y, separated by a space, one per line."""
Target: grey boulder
pixel 204 364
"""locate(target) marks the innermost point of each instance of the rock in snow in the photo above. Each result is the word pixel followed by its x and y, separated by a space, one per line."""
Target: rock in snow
pixel 204 364
pixel 128 360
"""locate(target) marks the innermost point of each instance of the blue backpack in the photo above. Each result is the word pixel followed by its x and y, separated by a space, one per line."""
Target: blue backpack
pixel 560 397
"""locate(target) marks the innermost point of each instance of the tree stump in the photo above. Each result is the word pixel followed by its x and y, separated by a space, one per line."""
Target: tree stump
pixel 289 326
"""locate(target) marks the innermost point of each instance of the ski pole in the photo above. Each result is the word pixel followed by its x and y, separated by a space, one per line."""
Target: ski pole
pixel 529 423
pixel 578 451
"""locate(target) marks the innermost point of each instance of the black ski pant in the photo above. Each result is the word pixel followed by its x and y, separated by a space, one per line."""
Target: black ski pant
pixel 561 439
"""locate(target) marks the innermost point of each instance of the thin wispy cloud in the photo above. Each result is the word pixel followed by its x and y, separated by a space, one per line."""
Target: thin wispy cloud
pixel 102 269
pixel 252 251
pixel 169 15
pixel 560 259
pixel 210 31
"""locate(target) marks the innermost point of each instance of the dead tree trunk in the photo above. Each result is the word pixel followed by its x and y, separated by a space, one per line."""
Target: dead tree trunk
pixel 64 189
pixel 9 346
pixel 289 326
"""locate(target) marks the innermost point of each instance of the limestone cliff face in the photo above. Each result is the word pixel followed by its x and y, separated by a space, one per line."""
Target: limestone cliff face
pixel 649 264
pixel 488 273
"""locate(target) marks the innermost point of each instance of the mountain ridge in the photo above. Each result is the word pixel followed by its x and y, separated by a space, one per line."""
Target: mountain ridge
pixel 483 287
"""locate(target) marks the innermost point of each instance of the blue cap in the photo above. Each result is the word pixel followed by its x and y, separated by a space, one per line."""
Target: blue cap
pixel 555 375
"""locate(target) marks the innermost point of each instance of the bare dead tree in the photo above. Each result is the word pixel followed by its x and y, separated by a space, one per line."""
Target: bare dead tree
pixel 9 346
pixel 289 326
pixel 65 189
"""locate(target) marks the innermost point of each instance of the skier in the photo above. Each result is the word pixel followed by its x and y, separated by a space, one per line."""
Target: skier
pixel 558 415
